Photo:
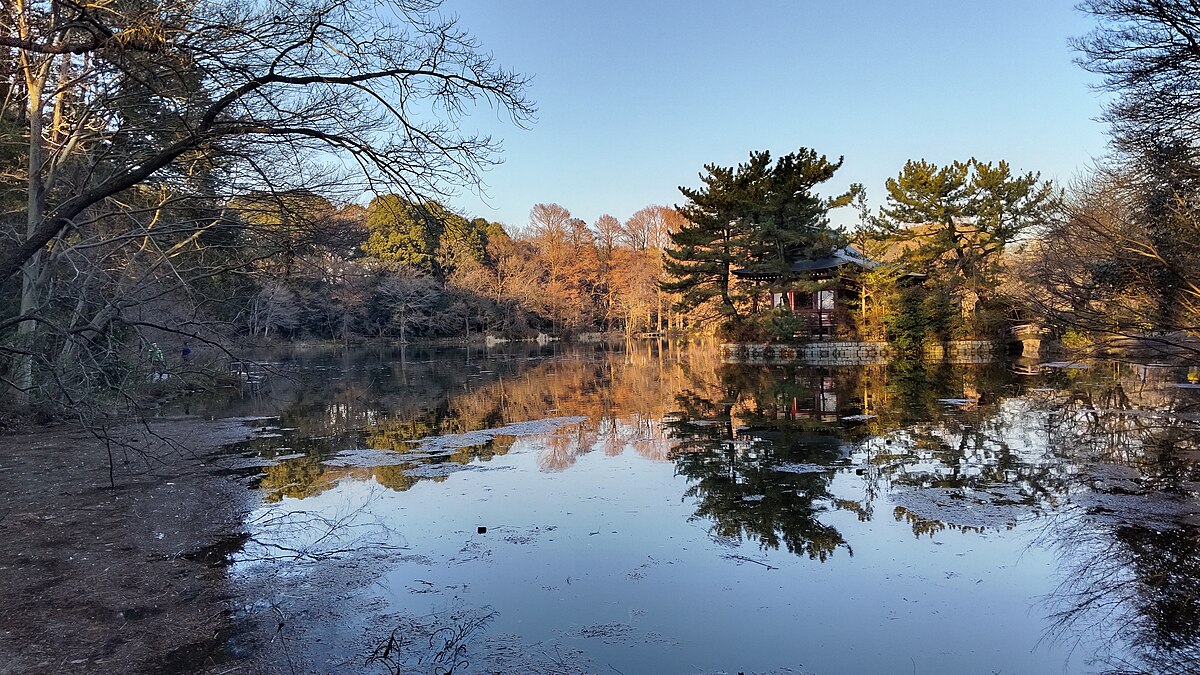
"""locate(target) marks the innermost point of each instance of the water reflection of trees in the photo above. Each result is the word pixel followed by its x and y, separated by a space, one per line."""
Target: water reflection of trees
pixel 728 427
pixel 1136 585
pixel 739 486
pixel 1130 543
pixel 376 401
pixel 742 438
pixel 1131 562
pixel 971 433
pixel 993 460
pixel 1114 451
pixel 735 433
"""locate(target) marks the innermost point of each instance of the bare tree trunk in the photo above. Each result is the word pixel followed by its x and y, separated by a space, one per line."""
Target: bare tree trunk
pixel 31 272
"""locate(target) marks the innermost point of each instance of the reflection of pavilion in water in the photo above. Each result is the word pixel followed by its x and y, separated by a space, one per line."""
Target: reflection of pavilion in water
pixel 814 394
pixel 820 402
pixel 739 424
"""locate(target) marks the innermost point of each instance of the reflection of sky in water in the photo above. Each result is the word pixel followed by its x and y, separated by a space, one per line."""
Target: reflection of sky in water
pixel 922 539
pixel 610 542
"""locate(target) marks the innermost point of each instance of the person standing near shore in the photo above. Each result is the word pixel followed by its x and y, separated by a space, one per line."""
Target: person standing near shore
pixel 157 362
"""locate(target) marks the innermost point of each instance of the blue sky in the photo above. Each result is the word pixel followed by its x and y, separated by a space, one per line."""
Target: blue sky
pixel 635 97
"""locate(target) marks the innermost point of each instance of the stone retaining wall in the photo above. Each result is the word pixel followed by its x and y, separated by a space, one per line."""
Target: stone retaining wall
pixel 854 353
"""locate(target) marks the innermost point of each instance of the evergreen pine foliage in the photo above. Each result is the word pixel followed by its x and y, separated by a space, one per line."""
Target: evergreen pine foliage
pixel 954 221
pixel 758 216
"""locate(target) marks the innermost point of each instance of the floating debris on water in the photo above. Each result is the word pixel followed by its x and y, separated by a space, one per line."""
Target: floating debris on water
pixel 260 462
pixel 742 558
pixel 471 438
pixel 439 470
pixel 793 467
pixel 444 446
pixel 368 457
pixel 608 632
pixel 999 507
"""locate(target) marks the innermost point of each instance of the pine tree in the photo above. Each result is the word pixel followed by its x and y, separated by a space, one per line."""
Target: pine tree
pixel 757 216
pixel 701 254
pixel 787 219
pixel 954 221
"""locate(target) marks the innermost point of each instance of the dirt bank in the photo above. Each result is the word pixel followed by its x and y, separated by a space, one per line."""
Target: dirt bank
pixel 97 579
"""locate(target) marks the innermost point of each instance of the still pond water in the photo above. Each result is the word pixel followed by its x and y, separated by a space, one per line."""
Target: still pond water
pixel 651 509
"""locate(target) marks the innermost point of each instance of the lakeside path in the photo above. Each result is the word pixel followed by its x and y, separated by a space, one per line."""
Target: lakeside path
pixel 131 579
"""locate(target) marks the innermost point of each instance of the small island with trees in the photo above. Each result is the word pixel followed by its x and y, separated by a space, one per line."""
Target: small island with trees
pixel 758 253
pixel 186 187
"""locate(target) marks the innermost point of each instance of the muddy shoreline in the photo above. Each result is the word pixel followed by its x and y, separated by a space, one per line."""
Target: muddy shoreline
pixel 128 579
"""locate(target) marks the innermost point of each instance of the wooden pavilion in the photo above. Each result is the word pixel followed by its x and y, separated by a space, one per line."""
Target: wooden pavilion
pixel 814 288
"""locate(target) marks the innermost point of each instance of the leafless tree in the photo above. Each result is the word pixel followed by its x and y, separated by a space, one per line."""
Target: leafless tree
pixel 1108 271
pixel 648 228
pixel 142 121
pixel 1120 263
pixel 608 231
pixel 273 309
pixel 549 230
pixel 1146 51
pixel 409 296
